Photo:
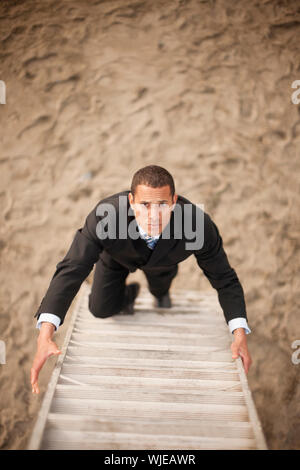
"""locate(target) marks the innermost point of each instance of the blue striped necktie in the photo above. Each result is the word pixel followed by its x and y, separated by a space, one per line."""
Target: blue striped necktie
pixel 151 242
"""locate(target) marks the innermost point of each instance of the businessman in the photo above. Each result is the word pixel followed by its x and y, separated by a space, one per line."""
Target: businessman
pixel 150 228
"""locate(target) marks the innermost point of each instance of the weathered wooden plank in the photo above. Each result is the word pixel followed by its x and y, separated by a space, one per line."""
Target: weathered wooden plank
pixel 157 372
pixel 157 323
pixel 94 348
pixel 140 425
pixel 141 394
pixel 147 314
pixel 161 383
pixel 212 353
pixel 166 410
pixel 190 338
pixel 84 355
pixel 60 439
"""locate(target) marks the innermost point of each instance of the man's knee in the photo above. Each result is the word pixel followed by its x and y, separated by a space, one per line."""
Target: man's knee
pixel 101 310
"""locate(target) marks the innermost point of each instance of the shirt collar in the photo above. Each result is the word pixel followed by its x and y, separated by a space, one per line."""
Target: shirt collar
pixel 145 234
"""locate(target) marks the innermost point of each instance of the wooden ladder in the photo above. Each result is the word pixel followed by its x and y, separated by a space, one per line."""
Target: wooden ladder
pixel 158 379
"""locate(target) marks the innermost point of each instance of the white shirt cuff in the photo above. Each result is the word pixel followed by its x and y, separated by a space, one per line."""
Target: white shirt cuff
pixel 49 317
pixel 239 322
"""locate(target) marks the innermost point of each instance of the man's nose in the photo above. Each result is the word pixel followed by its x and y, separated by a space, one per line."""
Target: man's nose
pixel 154 211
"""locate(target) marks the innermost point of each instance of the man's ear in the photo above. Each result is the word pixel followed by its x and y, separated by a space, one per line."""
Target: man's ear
pixel 131 200
pixel 175 197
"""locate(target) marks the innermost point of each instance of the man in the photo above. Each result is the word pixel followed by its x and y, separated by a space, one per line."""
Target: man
pixel 149 228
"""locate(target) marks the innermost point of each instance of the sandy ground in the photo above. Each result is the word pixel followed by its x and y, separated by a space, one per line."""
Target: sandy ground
pixel 96 90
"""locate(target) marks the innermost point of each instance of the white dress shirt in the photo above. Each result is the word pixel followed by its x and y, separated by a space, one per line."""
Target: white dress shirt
pixel 239 322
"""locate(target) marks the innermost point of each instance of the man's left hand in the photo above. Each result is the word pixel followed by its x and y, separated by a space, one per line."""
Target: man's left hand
pixel 239 348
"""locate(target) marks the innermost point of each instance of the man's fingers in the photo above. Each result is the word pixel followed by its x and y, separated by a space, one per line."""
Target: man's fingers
pixel 35 388
pixel 245 364
pixel 235 352
pixel 54 353
pixel 239 349
pixel 34 380
pixel 33 376
pixel 38 363
pixel 246 359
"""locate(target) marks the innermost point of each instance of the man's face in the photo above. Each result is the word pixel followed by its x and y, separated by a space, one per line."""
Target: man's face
pixel 152 207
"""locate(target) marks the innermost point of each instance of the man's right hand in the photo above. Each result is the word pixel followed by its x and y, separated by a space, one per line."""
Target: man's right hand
pixel 45 348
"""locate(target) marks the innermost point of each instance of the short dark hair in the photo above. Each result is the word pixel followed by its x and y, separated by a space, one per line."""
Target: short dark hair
pixel 154 176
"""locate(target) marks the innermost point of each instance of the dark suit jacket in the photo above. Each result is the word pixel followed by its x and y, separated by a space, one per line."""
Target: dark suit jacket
pixel 87 247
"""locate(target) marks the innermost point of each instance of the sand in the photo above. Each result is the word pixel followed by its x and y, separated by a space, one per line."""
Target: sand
pixel 94 91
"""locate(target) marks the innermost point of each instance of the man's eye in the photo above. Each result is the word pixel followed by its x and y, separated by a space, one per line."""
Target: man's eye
pixel 161 204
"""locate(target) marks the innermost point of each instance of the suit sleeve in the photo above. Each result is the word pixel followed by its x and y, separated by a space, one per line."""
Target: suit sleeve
pixel 72 270
pixel 214 263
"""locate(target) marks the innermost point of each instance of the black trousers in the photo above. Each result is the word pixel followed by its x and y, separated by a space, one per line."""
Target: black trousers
pixel 108 289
